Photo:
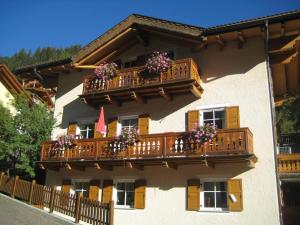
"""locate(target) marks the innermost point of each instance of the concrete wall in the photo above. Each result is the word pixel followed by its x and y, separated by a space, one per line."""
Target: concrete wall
pixel 230 77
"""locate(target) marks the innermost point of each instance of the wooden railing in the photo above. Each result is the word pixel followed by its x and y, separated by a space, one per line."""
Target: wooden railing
pixel 183 69
pixel 289 163
pixel 227 141
pixel 76 206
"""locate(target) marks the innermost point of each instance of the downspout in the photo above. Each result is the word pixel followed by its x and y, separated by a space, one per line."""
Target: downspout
pixel 273 116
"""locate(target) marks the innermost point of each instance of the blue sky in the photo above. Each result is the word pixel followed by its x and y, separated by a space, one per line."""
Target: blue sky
pixel 60 23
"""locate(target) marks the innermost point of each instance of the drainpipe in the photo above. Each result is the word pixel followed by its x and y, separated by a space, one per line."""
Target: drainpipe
pixel 273 115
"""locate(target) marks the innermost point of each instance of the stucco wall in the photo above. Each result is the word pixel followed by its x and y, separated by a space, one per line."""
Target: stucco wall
pixel 6 97
pixel 233 77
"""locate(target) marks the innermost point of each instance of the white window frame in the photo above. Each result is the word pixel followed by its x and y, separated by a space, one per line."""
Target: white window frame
pixel 209 209
pixel 209 110
pixel 115 197
pixel 73 190
pixel 120 118
pixel 88 129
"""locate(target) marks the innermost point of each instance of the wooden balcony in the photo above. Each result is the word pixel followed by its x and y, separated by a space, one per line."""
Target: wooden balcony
pixel 133 84
pixel 232 145
pixel 289 163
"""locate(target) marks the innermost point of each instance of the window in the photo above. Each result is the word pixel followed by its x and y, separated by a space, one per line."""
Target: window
pixel 125 194
pixel 214 196
pixel 214 116
pixel 81 187
pixel 129 122
pixel 129 64
pixel 87 130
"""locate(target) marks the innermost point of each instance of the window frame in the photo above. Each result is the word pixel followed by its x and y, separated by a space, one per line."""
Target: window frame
pixel 122 118
pixel 115 193
pixel 73 190
pixel 202 200
pixel 213 110
pixel 92 129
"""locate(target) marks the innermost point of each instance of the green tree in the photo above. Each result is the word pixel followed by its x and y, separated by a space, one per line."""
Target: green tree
pixel 22 135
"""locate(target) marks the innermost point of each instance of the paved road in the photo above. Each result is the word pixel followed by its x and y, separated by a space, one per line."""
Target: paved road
pixel 13 212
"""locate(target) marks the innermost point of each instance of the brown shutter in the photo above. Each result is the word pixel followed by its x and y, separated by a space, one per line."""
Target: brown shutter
pixel 143 124
pixel 66 186
pixel 97 134
pixel 232 117
pixel 192 119
pixel 72 128
pixel 234 187
pixel 112 127
pixel 94 189
pixel 193 194
pixel 139 194
pixel 107 191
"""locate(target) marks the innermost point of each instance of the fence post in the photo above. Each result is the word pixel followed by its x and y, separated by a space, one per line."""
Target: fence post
pixel 1 175
pixel 12 194
pixel 52 199
pixel 111 212
pixel 77 212
pixel 31 191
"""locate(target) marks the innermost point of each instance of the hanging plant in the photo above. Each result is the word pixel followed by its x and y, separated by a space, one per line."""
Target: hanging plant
pixel 158 62
pixel 128 137
pixel 65 142
pixel 202 134
pixel 106 71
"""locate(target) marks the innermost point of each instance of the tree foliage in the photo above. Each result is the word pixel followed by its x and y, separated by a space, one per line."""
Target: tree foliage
pixel 23 57
pixel 22 133
pixel 288 115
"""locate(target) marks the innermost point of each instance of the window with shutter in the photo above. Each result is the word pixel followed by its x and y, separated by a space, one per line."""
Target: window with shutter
pixel 235 195
pixel 72 128
pixel 232 117
pixel 107 191
pixel 97 134
pixel 193 194
pixel 66 185
pixel 192 119
pixel 140 194
pixel 143 124
pixel 112 127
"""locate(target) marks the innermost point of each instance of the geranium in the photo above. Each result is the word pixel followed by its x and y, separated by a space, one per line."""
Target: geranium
pixel 128 136
pixel 106 71
pixel 158 62
pixel 65 141
pixel 202 134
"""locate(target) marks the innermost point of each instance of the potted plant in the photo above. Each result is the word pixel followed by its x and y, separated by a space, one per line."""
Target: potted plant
pixel 64 142
pixel 157 63
pixel 106 71
pixel 128 137
pixel 201 134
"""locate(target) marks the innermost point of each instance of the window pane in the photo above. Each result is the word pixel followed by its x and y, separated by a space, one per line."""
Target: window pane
pixel 129 187
pixel 85 194
pixel 129 198
pixel 83 133
pixel 221 199
pixel 219 114
pixel 209 199
pixel 120 198
pixel 121 186
pixel 82 126
pixel 90 134
pixel 207 115
pixel 125 123
pixel 219 123
pixel 209 186
pixel 134 122
pixel 221 186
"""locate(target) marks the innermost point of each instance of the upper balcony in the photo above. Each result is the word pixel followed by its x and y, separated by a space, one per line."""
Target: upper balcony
pixel 134 84
pixel 168 149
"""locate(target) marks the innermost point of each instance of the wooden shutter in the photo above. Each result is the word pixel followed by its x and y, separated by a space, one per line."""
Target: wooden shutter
pixel 139 194
pixel 232 117
pixel 192 119
pixel 234 187
pixel 112 127
pixel 94 189
pixel 107 191
pixel 66 186
pixel 72 128
pixel 97 134
pixel 143 124
pixel 193 194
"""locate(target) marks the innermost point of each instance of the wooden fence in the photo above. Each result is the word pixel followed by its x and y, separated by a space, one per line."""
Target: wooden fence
pixel 76 206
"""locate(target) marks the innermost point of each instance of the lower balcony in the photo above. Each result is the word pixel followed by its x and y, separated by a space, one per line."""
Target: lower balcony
pixel 289 163
pixel 167 149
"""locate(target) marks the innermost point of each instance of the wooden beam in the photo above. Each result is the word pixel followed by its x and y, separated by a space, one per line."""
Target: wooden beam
pixel 141 37
pixel 282 29
pixel 283 58
pixel 164 94
pixel 283 44
pixel 103 167
pixel 196 92
pixel 111 100
pixel 209 163
pixel 170 165
pixel 134 166
pixel 74 167
pixel 241 39
pixel 220 41
pixel 137 97
pixel 42 167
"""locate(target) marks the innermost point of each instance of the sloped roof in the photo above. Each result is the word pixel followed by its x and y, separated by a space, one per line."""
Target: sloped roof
pixel 139 20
